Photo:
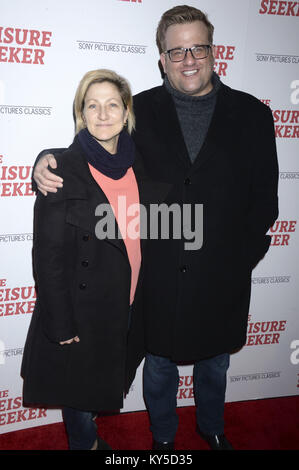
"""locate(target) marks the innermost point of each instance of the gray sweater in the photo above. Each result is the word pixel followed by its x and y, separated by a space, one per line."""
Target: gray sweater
pixel 194 114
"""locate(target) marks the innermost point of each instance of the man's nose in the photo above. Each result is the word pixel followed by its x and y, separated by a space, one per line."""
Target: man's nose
pixel 189 58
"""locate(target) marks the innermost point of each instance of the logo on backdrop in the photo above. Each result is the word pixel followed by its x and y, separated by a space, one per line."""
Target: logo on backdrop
pixel 224 55
pixel 25 110
pixel 111 47
pixel 16 301
pixel 278 58
pixel 282 231
pixel 16 237
pixel 281 8
pixel 23 46
pixel 15 180
pixel 257 376
pixel 264 332
pixel 10 353
pixel 11 410
pixel 185 390
pixel 289 175
pixel 268 280
pixel 286 121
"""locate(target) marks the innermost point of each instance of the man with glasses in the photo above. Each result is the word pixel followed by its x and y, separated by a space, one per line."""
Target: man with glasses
pixel 216 147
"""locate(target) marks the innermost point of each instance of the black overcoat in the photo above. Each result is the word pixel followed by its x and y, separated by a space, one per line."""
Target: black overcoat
pixel 197 301
pixel 83 288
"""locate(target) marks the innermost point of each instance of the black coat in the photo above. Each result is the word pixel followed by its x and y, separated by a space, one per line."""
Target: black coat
pixel 83 286
pixel 197 302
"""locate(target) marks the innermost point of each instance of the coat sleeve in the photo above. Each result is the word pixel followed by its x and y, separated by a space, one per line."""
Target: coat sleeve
pixel 50 248
pixel 263 210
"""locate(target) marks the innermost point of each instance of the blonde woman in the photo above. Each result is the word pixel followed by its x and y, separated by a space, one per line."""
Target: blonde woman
pixel 85 339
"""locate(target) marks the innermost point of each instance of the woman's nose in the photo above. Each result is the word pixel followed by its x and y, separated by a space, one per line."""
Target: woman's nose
pixel 102 113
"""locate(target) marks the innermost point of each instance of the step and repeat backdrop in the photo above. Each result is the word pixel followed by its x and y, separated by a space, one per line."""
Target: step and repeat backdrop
pixel 45 48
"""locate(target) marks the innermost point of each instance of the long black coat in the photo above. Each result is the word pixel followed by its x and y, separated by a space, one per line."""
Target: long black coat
pixel 197 302
pixel 83 288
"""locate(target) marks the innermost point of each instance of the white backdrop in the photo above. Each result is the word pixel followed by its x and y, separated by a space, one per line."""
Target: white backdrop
pixel 45 48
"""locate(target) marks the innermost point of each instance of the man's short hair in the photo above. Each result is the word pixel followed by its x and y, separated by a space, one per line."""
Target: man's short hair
pixel 181 14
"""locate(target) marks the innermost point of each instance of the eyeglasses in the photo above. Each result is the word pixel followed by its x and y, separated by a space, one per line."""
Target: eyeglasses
pixel 178 54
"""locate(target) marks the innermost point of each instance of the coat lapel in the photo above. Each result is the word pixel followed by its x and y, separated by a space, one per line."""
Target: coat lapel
pixel 219 130
pixel 169 126
pixel 85 195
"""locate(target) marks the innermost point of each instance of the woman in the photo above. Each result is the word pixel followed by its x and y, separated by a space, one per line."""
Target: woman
pixel 85 339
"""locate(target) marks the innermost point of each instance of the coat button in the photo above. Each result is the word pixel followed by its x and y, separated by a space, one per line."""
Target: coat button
pixel 183 269
pixel 85 238
pixel 84 263
pixel 187 181
pixel 82 286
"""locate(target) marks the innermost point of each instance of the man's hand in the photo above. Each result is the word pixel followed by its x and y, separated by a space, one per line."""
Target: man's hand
pixel 45 180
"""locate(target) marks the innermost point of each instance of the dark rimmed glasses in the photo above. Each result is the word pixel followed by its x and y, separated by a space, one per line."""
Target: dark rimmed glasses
pixel 178 54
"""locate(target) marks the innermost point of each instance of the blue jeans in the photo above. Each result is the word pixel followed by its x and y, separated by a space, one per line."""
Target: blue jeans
pixel 81 428
pixel 161 380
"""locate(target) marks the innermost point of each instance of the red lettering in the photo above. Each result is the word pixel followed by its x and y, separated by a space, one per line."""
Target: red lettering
pixel 263 8
pixel 292 225
pixel 268 339
pixel 273 4
pixel 295 117
pixel 13 54
pixel 34 36
pixel 24 38
pixel 281 8
pixel 38 56
pixel 275 339
pixel 8 35
pixel 291 9
pixel 285 240
pixel 21 415
pixel 275 240
pixel 46 36
pixel 278 131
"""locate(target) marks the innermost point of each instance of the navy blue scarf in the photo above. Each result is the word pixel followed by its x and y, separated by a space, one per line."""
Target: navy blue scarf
pixel 113 166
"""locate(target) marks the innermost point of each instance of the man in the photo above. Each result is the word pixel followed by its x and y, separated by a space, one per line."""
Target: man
pixel 216 147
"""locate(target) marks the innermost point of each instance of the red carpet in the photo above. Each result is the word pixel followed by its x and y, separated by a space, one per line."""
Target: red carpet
pixel 271 424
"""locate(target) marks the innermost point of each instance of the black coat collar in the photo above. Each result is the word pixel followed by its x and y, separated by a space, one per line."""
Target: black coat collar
pixel 84 194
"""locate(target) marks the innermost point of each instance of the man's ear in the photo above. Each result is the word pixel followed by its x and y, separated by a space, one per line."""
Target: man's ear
pixel 213 51
pixel 163 61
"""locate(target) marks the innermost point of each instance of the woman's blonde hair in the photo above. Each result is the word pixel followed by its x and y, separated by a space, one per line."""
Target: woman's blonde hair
pixel 100 76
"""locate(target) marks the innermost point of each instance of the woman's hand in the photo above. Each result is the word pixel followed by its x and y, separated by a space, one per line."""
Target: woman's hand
pixel 69 341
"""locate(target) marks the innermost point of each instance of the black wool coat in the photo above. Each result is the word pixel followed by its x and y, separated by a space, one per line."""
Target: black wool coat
pixel 83 288
pixel 196 302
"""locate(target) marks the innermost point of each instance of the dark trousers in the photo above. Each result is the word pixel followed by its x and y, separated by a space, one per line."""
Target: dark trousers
pixel 81 428
pixel 161 380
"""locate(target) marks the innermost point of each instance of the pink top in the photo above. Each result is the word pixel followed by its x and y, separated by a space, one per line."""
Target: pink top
pixel 123 197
